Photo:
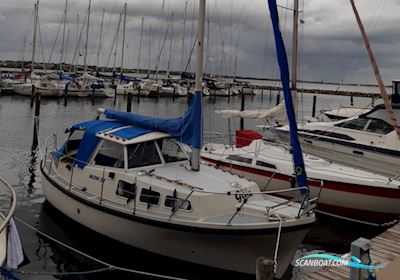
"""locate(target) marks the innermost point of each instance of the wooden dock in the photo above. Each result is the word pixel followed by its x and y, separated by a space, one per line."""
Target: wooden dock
pixel 385 250
pixel 326 91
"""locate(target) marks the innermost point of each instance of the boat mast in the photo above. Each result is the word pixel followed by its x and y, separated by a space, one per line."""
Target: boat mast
pixel 199 71
pixel 140 46
pixel 23 54
pixel 101 34
pixel 123 41
pixel 63 38
pixel 375 68
pixel 87 38
pixel 77 44
pixel 148 60
pixel 294 51
pixel 183 35
pixel 170 46
pixel 35 23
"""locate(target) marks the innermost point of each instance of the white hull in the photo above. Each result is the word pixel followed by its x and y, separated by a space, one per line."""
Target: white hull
pixel 345 191
pixel 345 203
pixel 220 250
pixel 373 161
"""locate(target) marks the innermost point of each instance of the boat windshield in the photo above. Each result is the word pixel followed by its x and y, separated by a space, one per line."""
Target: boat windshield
pixel 171 150
pixel 143 154
pixel 72 145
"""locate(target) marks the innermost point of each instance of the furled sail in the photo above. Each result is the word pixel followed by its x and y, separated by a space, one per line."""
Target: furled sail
pixel 276 114
pixel 301 177
pixel 186 129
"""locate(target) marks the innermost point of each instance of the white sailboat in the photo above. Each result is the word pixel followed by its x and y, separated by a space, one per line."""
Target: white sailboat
pixel 346 191
pixel 129 178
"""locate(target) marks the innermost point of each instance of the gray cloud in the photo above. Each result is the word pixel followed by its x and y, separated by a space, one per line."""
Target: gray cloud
pixel 330 43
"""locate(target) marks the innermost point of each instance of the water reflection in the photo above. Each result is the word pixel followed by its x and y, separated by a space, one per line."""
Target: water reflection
pixel 34 159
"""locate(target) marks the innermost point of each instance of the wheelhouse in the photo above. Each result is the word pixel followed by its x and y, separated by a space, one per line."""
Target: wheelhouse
pixel 150 149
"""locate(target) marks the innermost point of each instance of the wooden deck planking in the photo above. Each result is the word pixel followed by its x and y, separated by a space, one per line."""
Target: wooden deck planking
pixel 385 248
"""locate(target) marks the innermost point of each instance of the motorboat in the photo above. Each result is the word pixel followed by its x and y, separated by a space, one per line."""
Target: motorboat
pixel 345 112
pixel 135 185
pixel 341 190
pixel 367 141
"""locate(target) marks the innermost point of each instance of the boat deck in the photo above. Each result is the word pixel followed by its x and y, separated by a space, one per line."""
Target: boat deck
pixel 385 250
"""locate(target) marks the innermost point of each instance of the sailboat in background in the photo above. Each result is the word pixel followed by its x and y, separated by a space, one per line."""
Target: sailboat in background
pixel 166 202
pixel 340 189
pixel 370 141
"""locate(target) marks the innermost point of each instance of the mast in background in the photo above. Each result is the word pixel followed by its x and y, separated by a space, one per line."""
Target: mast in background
pixel 101 35
pixel 35 23
pixel 63 38
pixel 123 41
pixel 294 51
pixel 378 77
pixel 87 38
pixel 140 47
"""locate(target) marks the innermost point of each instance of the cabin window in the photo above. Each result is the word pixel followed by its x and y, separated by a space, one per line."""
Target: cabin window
pixel 149 196
pixel 171 150
pixel 265 164
pixel 126 189
pixel 110 154
pixel 174 202
pixel 357 124
pixel 143 154
pixel 379 127
pixel 239 158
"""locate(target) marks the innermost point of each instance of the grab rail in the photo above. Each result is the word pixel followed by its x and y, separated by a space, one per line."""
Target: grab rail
pixel 12 207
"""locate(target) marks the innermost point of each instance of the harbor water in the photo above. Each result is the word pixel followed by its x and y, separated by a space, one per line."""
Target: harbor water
pixel 20 155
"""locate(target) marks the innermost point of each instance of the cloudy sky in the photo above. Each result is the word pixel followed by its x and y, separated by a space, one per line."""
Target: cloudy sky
pixel 330 47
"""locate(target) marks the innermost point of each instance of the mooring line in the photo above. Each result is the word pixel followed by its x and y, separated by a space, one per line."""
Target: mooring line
pixel 107 265
pixel 388 224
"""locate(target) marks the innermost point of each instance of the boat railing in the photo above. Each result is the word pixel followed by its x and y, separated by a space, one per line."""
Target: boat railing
pixel 306 204
pixel 9 212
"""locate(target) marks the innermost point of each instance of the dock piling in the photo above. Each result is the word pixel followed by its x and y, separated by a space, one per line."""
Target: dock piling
pixel 32 95
pixel 138 94
pixel 314 103
pixel 278 98
pixel 264 269
pixel 129 102
pixel 37 104
pixel 351 100
pixel 360 249
pixel 92 95
pixel 242 99
pixel 66 95
pixel 115 95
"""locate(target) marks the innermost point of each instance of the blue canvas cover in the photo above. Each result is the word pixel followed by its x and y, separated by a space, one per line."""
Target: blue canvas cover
pixel 300 172
pixel 130 132
pixel 186 129
pixel 89 140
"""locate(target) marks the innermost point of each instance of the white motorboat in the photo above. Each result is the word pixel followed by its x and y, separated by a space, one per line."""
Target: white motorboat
pixel 135 185
pixel 341 190
pixel 345 112
pixel 367 141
